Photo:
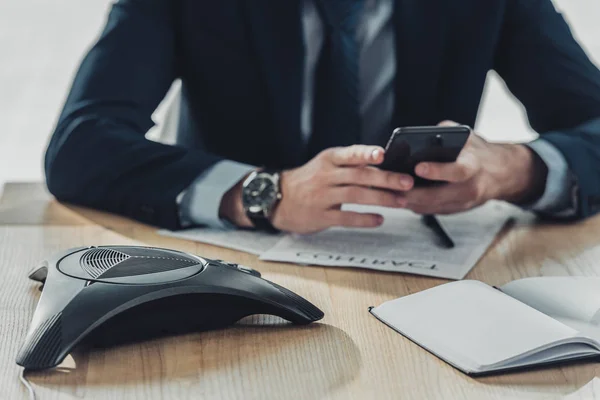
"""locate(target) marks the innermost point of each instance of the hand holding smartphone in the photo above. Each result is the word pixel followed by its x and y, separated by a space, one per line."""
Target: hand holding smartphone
pixel 410 146
pixel 407 147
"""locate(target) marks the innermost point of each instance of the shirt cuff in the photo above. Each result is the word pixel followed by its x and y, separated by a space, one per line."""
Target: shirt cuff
pixel 199 203
pixel 558 198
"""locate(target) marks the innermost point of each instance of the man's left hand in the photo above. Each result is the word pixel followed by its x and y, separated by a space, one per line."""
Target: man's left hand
pixel 483 171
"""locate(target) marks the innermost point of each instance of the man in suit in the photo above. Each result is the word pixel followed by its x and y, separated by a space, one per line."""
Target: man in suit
pixel 285 105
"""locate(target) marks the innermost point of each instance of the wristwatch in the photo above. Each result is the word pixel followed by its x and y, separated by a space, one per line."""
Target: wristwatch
pixel 260 195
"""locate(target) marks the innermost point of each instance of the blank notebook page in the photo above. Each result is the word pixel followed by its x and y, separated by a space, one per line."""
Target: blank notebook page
pixel 471 324
pixel 574 297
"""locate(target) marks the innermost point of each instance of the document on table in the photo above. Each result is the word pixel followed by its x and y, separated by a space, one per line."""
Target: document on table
pixel 243 240
pixel 402 244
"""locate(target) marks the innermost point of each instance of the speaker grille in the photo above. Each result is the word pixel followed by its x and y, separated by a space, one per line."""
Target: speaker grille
pixel 152 252
pixel 97 261
pixel 42 351
pixel 123 261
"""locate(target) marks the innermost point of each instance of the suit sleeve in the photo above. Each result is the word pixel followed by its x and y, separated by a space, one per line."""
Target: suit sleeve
pixel 98 155
pixel 548 71
pixel 200 202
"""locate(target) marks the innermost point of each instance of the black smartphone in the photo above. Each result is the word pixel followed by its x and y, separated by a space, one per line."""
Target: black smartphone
pixel 409 146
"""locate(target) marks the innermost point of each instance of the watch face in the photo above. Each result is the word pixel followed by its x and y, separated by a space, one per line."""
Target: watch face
pixel 259 194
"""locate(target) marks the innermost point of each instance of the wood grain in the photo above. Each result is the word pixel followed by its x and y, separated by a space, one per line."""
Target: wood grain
pixel 347 355
pixel 31 204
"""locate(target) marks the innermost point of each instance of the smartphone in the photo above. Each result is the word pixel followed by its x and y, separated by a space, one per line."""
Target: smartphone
pixel 409 146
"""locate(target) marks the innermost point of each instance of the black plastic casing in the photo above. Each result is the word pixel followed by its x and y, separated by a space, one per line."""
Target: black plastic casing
pixel 117 294
pixel 409 146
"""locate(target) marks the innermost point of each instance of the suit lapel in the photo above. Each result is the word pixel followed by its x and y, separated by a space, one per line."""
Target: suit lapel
pixel 420 32
pixel 277 36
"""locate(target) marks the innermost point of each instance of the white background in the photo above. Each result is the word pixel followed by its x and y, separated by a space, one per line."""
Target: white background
pixel 42 41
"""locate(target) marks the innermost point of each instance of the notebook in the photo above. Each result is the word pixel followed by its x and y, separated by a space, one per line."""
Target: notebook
pixel 480 329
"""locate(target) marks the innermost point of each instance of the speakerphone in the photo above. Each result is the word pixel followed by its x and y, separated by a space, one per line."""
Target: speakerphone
pixel 108 295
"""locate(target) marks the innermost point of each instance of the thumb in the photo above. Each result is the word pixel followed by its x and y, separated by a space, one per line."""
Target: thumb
pixel 448 122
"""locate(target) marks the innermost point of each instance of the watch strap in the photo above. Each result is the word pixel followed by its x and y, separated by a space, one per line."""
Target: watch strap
pixel 263 224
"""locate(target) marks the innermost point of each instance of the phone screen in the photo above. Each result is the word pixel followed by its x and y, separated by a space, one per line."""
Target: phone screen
pixel 409 146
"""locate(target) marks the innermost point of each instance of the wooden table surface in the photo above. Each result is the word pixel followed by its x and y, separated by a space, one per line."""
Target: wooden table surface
pixel 347 355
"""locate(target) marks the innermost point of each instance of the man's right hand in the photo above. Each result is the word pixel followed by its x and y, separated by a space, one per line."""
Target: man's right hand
pixel 312 195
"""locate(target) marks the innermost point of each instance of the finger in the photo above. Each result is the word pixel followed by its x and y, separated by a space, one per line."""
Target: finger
pixel 443 199
pixel 463 169
pixel 355 155
pixel 367 196
pixel 444 209
pixel 426 200
pixel 354 219
pixel 448 122
pixel 373 177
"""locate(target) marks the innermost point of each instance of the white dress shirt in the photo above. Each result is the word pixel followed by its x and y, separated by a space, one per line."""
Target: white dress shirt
pixel 199 204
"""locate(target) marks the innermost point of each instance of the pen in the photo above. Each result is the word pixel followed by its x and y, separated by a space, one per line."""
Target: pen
pixel 432 222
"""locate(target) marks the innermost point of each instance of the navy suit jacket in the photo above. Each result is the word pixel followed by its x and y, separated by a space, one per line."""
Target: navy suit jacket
pixel 241 64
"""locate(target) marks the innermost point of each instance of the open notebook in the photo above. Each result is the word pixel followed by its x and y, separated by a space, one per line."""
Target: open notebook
pixel 482 329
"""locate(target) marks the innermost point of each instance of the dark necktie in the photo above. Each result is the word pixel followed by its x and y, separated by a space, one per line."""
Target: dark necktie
pixel 336 106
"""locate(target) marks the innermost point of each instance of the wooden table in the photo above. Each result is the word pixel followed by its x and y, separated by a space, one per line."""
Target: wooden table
pixel 346 355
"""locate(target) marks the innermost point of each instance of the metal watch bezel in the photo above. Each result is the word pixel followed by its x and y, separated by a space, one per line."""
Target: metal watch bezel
pixel 266 210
